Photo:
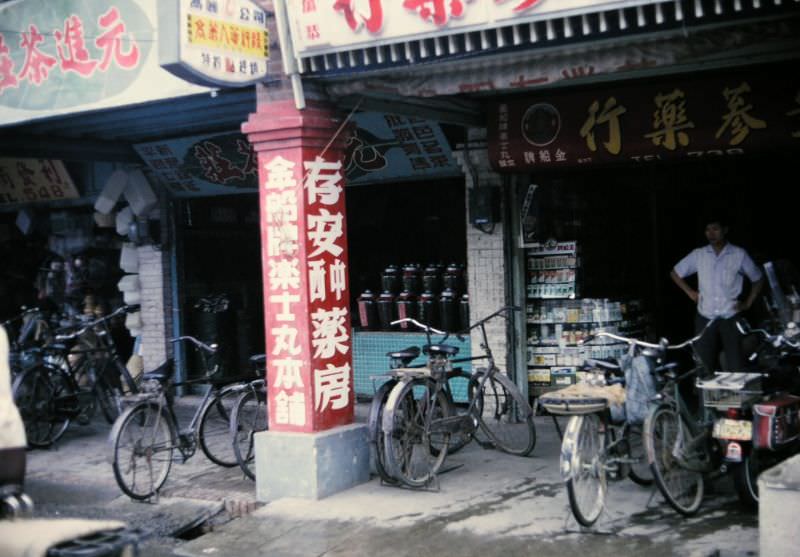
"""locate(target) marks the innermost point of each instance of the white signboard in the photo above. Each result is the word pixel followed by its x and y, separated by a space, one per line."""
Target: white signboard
pixel 320 26
pixel 214 42
pixel 72 56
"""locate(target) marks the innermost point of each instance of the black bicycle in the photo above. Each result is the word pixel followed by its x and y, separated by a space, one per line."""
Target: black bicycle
pixel 70 378
pixel 419 419
pixel 145 437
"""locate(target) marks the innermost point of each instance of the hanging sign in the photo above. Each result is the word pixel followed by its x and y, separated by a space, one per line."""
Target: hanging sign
pixel 203 164
pixel 32 180
pixel 319 27
pixel 721 115
pixel 214 42
pixel 392 147
pixel 78 55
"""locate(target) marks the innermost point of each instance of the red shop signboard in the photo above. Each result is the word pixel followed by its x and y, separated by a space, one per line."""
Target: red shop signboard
pixel 680 117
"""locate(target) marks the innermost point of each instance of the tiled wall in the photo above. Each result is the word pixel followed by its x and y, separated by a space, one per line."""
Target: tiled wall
pixel 485 256
pixel 151 281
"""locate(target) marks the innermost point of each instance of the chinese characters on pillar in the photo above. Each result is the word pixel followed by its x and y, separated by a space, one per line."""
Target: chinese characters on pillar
pixel 307 295
pixel 40 52
pixel 327 286
pixel 281 197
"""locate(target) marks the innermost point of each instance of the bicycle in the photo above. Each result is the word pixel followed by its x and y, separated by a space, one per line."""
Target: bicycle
pixel 67 381
pixel 397 362
pixel 677 442
pixel 146 435
pixel 418 418
pixel 600 442
pixel 26 331
pixel 249 416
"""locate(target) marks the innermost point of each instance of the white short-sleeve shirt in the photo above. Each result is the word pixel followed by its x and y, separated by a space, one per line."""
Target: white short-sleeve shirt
pixel 719 276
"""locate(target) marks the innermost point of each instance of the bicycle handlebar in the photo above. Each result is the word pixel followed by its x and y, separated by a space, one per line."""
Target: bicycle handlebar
pixel 774 340
pixel 211 349
pixel 418 324
pixel 489 317
pixel 642 344
pixel 92 324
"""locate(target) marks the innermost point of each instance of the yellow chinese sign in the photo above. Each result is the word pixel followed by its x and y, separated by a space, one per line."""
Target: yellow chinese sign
pixel 649 120
pixel 670 121
pixel 251 41
pixel 609 115
pixel 32 180
pixel 738 121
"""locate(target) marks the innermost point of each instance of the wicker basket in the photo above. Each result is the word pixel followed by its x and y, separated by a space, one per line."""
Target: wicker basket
pixel 581 399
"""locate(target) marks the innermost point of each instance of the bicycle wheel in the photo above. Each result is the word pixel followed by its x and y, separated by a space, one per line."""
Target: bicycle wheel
pixel 665 435
pixel 249 416
pixel 639 471
pixel 375 431
pixel 583 467
pixel 39 394
pixel 214 427
pixel 408 435
pixel 142 440
pixel 504 416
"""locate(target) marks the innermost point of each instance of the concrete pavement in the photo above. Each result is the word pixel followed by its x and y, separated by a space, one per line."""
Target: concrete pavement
pixel 489 503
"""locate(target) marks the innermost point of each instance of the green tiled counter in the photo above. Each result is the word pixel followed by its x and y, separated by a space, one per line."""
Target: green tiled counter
pixel 369 358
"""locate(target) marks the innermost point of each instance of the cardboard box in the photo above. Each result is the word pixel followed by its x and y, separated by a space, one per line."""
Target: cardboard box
pixel 543 360
pixel 539 377
pixel 562 376
pixel 111 192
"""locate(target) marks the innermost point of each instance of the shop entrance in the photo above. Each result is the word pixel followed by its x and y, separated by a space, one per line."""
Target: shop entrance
pixel 220 273
pixel 630 226
pixel 414 225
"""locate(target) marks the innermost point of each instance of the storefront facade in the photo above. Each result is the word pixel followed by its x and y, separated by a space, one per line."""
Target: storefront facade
pixel 518 68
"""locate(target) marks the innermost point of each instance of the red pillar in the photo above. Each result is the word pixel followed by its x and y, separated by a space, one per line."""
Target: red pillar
pixel 304 266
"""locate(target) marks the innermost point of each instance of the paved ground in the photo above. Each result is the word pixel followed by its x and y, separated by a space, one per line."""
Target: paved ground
pixel 489 504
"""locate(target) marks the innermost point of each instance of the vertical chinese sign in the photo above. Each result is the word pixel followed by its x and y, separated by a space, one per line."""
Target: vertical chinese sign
pixel 304 248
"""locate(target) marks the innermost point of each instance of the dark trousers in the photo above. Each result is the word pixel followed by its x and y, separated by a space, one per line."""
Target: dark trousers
pixel 707 347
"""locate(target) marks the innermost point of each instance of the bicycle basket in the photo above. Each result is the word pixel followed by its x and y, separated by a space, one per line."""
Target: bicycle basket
pixel 730 390
pixel 577 399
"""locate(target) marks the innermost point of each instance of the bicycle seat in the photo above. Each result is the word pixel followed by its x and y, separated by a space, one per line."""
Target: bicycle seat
pixel 258 361
pixel 161 374
pixel 440 349
pixel 405 355
pixel 258 364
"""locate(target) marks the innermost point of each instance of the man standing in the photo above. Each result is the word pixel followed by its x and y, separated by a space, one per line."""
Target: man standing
pixel 720 267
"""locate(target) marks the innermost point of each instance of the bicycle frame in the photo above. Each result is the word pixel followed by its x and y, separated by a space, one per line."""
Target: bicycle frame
pixel 685 451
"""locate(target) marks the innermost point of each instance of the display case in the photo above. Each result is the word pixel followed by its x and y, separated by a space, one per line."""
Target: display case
pixel 558 320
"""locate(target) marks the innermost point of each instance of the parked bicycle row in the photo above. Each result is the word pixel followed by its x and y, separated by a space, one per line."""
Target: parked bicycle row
pixel 742 423
pixel 63 374
pixel 149 435
pixel 630 418
pixel 422 413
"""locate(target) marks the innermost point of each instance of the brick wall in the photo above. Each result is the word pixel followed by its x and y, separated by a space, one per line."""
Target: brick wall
pixel 485 256
pixel 151 281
